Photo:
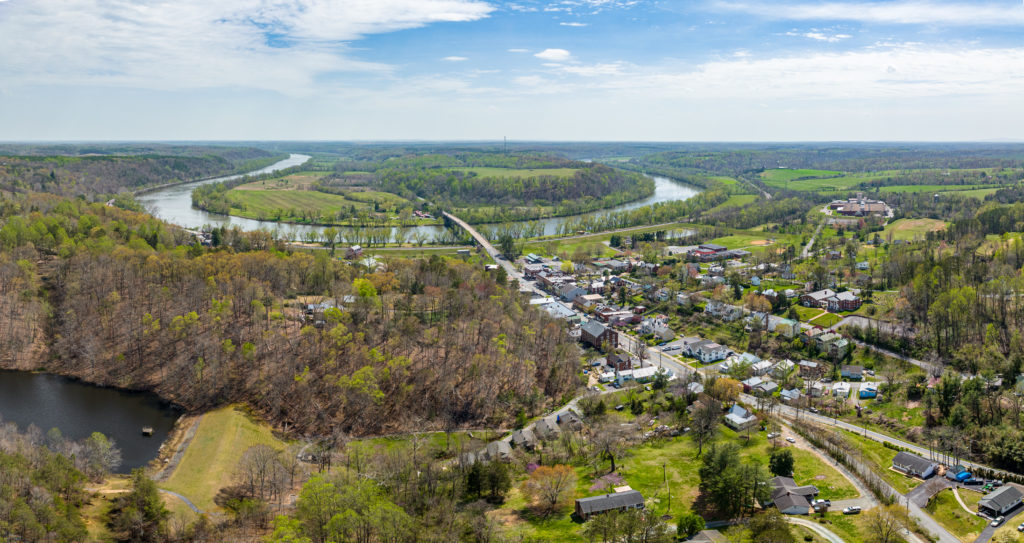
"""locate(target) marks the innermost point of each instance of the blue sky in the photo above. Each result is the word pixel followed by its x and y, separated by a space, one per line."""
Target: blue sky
pixel 683 70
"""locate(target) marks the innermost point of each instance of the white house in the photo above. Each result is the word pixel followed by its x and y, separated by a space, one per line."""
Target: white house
pixel 739 419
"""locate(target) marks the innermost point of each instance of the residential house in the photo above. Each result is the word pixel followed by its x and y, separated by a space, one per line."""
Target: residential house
pixel 617 501
pixel 694 388
pixel 684 299
pixel 841 389
pixel 853 373
pixel 811 334
pixel 706 351
pixel 1001 501
pixel 816 390
pixel 524 439
pixel 531 271
pixel 496 451
pixel 823 341
pixel 782 368
pixel 791 499
pixel 787 328
pixel 810 369
pixel 354 251
pixel 863 266
pixel 914 465
pixel 723 311
pixel 739 418
pixel 751 383
pixel 762 367
pixel 547 428
pixel 766 388
pixel 597 335
pixel 867 391
pixel 791 395
pixel 709 536
pixel 619 362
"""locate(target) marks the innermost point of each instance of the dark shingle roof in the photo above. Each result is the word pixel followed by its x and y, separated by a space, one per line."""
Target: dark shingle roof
pixel 1001 499
pixel 913 461
pixel 785 501
pixel 607 502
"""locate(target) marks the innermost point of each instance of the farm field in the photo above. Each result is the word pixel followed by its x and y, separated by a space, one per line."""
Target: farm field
pixel 266 203
pixel 518 173
pixel 209 462
pixel 911 229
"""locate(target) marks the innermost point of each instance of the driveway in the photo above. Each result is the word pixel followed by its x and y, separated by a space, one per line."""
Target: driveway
pixel 989 530
pixel 824 532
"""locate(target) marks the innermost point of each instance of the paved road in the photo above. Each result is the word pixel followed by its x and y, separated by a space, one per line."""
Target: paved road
pixel 510 268
pixel 824 532
pixel 187 502
pixel 810 244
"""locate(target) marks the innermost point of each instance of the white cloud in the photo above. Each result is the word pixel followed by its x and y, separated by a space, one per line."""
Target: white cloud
pixel 518 50
pixel 455 59
pixel 820 36
pixel 281 46
pixel 909 71
pixel 554 55
pixel 594 70
pixel 574 24
pixel 897 12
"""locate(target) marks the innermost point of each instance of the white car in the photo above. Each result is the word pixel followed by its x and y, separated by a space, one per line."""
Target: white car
pixel 772 435
pixel 997 521
pixel 852 510
pixel 791 440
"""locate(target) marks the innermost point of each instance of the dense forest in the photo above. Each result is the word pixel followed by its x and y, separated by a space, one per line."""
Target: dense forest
pixel 132 305
pixel 89 173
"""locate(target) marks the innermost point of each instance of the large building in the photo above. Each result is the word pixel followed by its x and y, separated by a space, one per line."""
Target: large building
pixel 859 206
pixel 914 465
pixel 1001 501
pixel 597 335
pixel 831 300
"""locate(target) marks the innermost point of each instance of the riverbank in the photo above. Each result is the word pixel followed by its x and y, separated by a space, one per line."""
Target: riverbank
pixel 271 161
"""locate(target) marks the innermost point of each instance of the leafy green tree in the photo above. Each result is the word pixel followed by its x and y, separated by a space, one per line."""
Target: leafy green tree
pixel 139 515
pixel 781 462
pixel 689 524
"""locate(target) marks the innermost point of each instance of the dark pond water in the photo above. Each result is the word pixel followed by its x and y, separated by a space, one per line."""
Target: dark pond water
pixel 79 409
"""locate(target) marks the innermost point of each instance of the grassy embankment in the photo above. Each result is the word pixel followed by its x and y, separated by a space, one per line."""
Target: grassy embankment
pixel 519 173
pixel 210 460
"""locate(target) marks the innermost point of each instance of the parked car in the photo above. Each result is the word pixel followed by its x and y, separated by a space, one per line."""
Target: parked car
pixel 814 410
pixel 997 521
pixel 997 483
pixel 619 407
pixel 827 503
pixel 973 481
pixel 791 440
pixel 662 344
pixel 1020 528
pixel 852 510
pixel 772 435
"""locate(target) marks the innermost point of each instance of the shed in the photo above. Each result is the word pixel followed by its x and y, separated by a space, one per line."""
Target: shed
pixel 618 501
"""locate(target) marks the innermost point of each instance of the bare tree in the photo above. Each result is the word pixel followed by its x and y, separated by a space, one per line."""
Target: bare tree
pixel 885 523
pixel 706 418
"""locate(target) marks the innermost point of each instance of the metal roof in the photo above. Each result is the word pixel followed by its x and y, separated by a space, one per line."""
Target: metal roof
pixel 608 502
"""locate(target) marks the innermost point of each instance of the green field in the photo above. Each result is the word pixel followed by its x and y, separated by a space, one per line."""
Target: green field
pixel 752 241
pixel 786 174
pixel 936 188
pixel 911 229
pixel 736 200
pixel 519 173
pixel 808 313
pixel 976 193
pixel 211 458
pixel 825 320
pixel 944 508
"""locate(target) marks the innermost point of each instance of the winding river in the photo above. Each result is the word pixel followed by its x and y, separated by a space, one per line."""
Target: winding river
pixel 174 204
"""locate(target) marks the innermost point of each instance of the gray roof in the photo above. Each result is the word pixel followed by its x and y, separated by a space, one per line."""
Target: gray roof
pixel 912 461
pixel 787 500
pixel 547 428
pixel 1001 499
pixel 853 369
pixel 786 485
pixel 608 502
pixel 709 536
pixel 524 437
pixel 594 328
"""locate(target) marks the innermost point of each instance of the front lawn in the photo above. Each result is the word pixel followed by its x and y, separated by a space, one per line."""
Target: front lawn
pixel 826 320
pixel 881 456
pixel 944 508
